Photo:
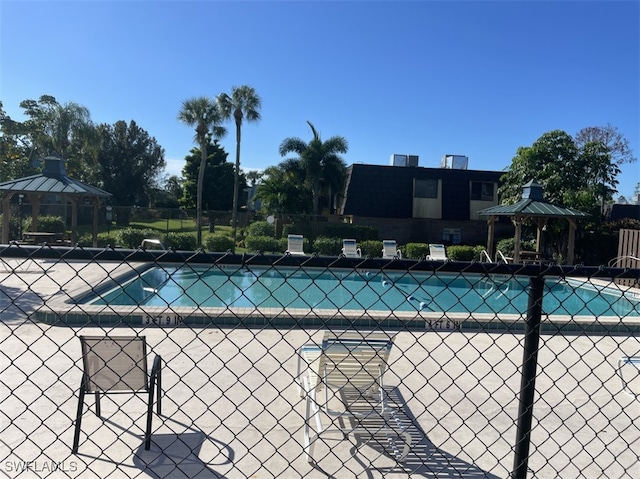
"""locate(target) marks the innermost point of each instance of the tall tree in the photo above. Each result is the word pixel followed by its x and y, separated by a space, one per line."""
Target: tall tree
pixel 243 103
pixel 551 160
pixel 615 142
pixel 600 172
pixel 323 166
pixel 203 114
pixel 131 162
pixel 576 177
pixel 218 195
pixel 14 151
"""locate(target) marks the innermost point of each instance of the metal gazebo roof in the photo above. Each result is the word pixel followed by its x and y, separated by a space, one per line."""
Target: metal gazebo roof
pixel 53 180
pixel 531 207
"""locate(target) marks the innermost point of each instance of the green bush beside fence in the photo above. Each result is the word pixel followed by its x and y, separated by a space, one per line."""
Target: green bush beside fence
pixel 219 243
pixel 260 228
pixel 179 241
pixel 416 250
pixel 264 244
pixel 371 248
pixel 132 237
pixel 327 246
pixel 464 252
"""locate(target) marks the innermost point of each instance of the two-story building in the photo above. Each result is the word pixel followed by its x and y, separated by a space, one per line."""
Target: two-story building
pixel 415 204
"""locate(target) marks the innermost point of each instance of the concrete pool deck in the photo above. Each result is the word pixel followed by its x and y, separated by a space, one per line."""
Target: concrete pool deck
pixel 231 409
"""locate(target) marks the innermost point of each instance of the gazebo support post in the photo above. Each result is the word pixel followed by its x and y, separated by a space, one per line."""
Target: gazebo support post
pixel 517 221
pixel 541 223
pixel 491 226
pixel 96 212
pixel 6 216
pixel 572 240
pixel 74 220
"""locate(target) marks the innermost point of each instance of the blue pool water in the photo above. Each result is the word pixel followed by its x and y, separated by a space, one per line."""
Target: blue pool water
pixel 357 290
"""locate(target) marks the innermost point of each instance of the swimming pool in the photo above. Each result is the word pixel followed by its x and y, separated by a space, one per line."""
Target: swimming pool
pixel 262 288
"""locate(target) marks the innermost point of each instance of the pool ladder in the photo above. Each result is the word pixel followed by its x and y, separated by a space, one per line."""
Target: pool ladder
pixel 499 290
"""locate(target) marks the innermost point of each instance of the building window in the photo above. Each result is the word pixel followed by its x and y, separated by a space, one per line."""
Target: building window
pixel 425 188
pixel 451 235
pixel 482 190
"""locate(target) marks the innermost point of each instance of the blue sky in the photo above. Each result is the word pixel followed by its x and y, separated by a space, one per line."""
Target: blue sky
pixel 425 78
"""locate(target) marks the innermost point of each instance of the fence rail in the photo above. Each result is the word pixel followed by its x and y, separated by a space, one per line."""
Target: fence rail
pixel 496 370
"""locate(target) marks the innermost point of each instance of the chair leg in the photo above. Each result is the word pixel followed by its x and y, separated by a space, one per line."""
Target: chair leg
pixel 311 407
pixel 155 379
pixel 156 371
pixel 76 435
pixel 97 395
pixel 147 434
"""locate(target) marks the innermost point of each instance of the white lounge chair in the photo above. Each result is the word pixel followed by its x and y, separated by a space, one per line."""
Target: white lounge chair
pixel 151 243
pixel 390 250
pixel 629 372
pixel 437 252
pixel 346 371
pixel 350 249
pixel 21 265
pixel 295 245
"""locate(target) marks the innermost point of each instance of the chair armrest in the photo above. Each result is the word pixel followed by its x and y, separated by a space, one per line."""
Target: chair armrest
pixel 633 361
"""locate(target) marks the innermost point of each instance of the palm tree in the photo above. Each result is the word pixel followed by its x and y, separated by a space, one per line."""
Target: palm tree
pixel 244 102
pixel 321 161
pixel 67 121
pixel 204 114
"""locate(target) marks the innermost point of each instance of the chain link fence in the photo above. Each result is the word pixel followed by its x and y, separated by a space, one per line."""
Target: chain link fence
pixel 496 370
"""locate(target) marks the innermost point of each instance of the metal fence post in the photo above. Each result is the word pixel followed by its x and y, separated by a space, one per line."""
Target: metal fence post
pixel 528 381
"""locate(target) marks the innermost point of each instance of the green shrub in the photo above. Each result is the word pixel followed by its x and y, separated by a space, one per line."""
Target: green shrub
pixel 259 228
pixel 219 243
pixel 463 252
pixel 132 237
pixel 85 240
pixel 506 246
pixel 180 241
pixel 104 239
pixel 371 248
pixel 52 224
pixel 416 250
pixel 326 246
pixel 264 244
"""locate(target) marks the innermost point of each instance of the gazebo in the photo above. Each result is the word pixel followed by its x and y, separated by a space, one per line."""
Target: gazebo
pixel 52 181
pixel 534 206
